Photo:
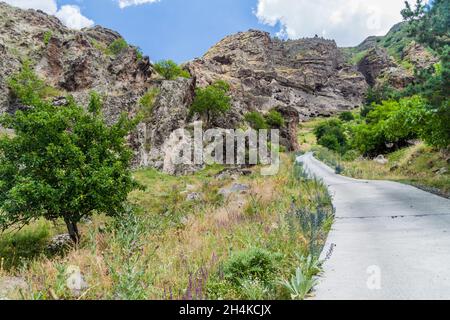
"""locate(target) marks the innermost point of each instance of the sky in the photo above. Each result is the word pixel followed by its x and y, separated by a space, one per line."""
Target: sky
pixel 184 29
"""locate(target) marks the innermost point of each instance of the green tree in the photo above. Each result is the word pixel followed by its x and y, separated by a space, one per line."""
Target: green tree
pixel 331 135
pixel 28 88
pixel 62 163
pixel 170 70
pixel 346 116
pixel 212 101
pixel 392 122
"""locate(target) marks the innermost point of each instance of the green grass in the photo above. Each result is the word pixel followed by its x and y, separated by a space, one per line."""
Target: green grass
pixel 17 248
pixel 172 247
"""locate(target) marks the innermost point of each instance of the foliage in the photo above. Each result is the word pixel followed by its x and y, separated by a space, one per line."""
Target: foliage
pixel 331 134
pixel 275 120
pixel 62 163
pixel 392 122
pixel 258 121
pixel 47 36
pixel 147 102
pixel 429 23
pixel 117 46
pixel 252 264
pixel 346 116
pixel 139 53
pixel 299 286
pixel 212 101
pixel 28 88
pixel 380 93
pixel 170 70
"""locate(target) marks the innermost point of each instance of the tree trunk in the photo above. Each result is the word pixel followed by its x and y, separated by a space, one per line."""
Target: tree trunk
pixel 72 228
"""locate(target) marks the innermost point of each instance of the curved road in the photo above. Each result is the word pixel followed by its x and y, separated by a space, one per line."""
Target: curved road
pixel 389 240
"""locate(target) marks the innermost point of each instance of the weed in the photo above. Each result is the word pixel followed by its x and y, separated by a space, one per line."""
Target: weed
pixel 299 286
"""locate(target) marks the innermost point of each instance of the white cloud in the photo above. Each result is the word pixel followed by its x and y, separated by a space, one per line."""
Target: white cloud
pixel 127 3
pixel 347 21
pixel 70 15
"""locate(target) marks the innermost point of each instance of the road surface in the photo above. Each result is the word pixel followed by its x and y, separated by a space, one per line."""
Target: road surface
pixel 389 241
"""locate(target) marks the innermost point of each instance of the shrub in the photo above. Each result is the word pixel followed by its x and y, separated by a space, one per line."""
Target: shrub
pixel 47 37
pixel 392 122
pixel 346 116
pixel 147 102
pixel 256 120
pixel 117 46
pixel 170 70
pixel 299 286
pixel 72 164
pixel 274 119
pixel 211 101
pixel 330 141
pixel 253 264
pixel 330 134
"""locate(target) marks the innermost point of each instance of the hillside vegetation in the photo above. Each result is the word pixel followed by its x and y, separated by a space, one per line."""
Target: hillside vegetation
pixel 401 134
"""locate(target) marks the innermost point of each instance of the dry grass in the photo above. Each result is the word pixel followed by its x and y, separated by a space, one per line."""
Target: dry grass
pixel 174 246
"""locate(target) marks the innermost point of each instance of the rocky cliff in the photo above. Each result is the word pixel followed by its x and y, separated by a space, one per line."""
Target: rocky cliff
pixel 300 78
pixel 308 75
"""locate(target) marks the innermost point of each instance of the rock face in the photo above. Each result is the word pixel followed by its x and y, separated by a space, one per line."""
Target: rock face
pixel 420 57
pixel 301 79
pixel 308 75
pixel 379 68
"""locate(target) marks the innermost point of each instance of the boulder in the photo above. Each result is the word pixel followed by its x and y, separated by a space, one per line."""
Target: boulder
pixel 235 188
pixel 60 243
pixel 381 160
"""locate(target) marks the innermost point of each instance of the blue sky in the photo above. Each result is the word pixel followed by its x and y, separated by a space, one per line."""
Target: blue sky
pixel 184 29
pixel 174 29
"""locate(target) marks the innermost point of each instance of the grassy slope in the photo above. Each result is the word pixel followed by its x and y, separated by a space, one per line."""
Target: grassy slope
pixel 173 247
pixel 416 165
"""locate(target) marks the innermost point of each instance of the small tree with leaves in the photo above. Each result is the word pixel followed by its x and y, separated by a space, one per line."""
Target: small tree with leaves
pixel 62 162
pixel 212 101
pixel 170 70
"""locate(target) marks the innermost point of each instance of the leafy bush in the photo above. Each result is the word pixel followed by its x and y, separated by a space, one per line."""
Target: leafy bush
pixel 170 70
pixel 299 286
pixel 72 164
pixel 392 122
pixel 147 102
pixel 253 264
pixel 117 46
pixel 256 120
pixel 331 135
pixel 211 101
pixel 28 88
pixel 346 116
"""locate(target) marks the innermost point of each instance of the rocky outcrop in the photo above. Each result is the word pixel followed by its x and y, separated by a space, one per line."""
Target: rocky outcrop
pixel 374 63
pixel 419 56
pixel 308 75
pixel 379 68
pixel 73 62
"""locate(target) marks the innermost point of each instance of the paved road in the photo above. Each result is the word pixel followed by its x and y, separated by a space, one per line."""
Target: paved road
pixel 389 241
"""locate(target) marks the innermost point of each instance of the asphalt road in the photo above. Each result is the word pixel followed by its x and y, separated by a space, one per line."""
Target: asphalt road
pixel 390 241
